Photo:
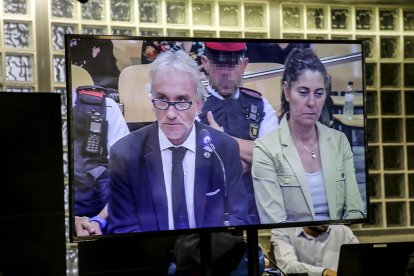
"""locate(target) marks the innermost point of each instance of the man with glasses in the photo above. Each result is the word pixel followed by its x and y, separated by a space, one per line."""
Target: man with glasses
pixel 240 112
pixel 164 176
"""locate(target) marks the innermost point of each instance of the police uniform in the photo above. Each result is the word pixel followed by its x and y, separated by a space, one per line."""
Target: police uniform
pixel 246 115
pixel 90 175
pixel 239 116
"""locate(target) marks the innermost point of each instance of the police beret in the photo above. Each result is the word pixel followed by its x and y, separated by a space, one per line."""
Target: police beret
pixel 226 46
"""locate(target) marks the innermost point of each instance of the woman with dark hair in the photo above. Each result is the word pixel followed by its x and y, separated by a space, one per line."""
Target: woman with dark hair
pixel 304 170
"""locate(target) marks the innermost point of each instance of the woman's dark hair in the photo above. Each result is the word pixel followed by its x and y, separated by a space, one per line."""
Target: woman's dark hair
pixel 299 60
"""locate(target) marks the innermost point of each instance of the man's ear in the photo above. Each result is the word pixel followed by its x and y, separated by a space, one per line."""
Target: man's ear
pixel 204 59
pixel 205 63
pixel 245 61
pixel 199 105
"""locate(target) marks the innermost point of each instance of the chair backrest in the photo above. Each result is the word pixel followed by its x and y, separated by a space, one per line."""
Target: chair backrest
pixel 268 84
pixel 132 94
pixel 80 77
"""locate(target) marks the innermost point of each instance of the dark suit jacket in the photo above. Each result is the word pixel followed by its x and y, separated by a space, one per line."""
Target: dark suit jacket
pixel 138 200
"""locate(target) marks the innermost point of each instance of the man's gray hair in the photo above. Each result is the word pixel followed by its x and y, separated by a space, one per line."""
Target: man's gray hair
pixel 177 61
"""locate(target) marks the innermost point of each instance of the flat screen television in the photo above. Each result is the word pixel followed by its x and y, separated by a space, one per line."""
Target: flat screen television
pixel 390 258
pixel 111 73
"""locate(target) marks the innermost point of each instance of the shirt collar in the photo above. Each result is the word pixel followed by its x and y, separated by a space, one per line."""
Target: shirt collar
pixel 189 143
pixel 301 232
pixel 212 92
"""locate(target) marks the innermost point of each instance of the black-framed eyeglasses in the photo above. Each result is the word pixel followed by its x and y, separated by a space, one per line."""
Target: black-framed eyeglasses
pixel 164 105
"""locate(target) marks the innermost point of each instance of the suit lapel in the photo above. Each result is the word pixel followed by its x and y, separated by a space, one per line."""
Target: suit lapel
pixel 292 157
pixel 156 177
pixel 329 160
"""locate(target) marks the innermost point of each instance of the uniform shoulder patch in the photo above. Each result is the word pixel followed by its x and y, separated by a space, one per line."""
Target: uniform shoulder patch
pixel 250 92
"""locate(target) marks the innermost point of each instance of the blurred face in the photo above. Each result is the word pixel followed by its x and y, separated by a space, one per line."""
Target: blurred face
pixel 306 98
pixel 225 78
pixel 175 86
pixel 319 229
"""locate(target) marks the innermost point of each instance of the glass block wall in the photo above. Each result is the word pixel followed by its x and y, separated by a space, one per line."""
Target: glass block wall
pixel 388 33
pixel 18 47
pixel 32 59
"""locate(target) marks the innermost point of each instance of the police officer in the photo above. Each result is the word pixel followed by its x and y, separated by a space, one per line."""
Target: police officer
pixel 240 112
pixel 98 123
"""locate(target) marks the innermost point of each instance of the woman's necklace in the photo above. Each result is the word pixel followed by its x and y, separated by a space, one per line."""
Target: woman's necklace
pixel 312 153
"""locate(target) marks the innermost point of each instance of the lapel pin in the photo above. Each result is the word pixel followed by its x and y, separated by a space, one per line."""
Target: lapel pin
pixel 207 151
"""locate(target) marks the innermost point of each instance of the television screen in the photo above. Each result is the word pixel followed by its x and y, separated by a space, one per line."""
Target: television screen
pixel 271 133
pixel 369 259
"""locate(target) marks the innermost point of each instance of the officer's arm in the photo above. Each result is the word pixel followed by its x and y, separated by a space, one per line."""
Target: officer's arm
pixel 245 146
pixel 246 150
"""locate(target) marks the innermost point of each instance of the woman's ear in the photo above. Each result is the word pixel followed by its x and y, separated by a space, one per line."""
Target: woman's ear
pixel 286 90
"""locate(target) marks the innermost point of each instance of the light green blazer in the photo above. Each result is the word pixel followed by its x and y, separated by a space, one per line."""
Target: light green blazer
pixel 279 179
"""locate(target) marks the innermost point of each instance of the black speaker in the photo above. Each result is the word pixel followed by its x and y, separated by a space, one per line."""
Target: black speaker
pixel 32 228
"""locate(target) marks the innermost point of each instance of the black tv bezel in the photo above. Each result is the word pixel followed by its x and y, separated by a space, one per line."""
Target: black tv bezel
pixel 68 57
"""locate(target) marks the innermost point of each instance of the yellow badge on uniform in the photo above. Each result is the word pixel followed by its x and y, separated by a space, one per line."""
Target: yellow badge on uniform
pixel 254 130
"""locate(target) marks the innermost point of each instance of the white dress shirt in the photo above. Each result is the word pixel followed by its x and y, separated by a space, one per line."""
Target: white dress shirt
pixel 298 252
pixel 189 171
